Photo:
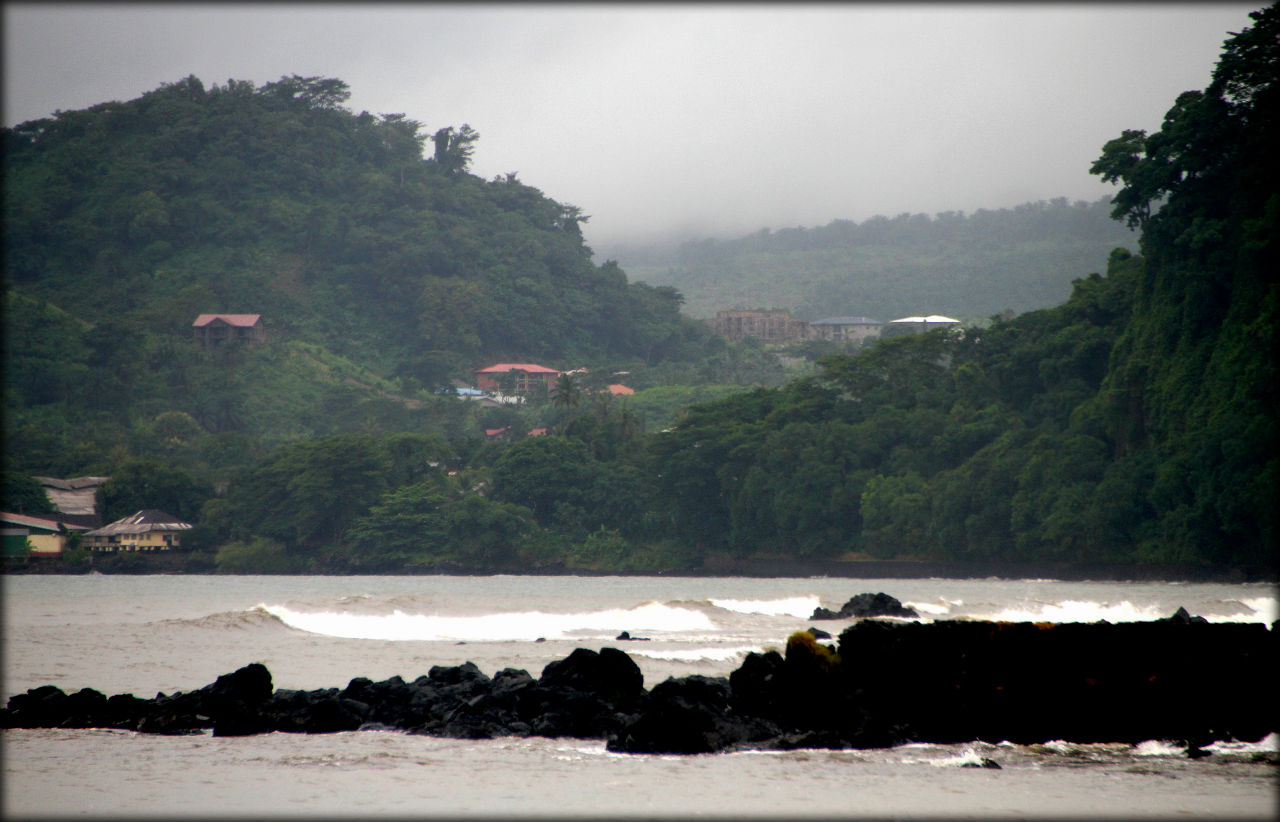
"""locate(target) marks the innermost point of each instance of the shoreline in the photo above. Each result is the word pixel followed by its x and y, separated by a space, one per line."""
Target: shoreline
pixel 177 564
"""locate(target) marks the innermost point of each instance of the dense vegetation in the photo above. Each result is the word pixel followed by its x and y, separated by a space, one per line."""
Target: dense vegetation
pixel 1132 423
pixel 381 274
pixel 966 266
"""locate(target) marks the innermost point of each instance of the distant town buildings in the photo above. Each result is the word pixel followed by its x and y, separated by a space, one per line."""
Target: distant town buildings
pixel 778 326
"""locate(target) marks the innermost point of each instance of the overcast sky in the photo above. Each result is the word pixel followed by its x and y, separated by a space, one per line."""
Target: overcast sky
pixel 708 120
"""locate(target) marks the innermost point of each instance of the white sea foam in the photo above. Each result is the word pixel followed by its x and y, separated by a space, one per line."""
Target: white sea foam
pixel 1159 747
pixel 1268 744
pixel 968 757
pixel 694 654
pixel 800 607
pixel 1264 609
pixel 498 627
pixel 1081 611
pixel 929 608
pixel 1260 609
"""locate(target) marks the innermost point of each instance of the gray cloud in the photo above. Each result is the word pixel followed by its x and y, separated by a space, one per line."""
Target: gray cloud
pixel 702 119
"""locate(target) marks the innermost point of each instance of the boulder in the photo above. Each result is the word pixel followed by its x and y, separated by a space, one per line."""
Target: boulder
pixel 867 605
pixel 610 675
pixel 42 707
pixel 1182 616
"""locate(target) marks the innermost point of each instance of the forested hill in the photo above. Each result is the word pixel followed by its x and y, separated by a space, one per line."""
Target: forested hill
pixel 382 270
pixel 1135 422
pixel 333 225
pixel 970 266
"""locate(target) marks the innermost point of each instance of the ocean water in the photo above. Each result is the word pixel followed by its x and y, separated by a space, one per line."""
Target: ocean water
pixel 151 634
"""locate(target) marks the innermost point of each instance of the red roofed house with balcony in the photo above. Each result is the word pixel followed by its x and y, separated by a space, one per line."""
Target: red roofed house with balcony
pixel 527 376
pixel 215 329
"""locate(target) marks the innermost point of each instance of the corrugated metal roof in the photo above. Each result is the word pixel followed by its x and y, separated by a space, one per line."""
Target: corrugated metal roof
pixel 142 522
pixel 242 320
pixel 39 522
pixel 72 496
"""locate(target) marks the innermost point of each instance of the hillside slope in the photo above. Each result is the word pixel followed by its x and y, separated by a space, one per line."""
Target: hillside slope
pixel 969 266
pixel 381 271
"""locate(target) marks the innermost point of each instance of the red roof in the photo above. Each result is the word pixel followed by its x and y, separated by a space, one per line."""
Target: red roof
pixel 243 320
pixel 528 368
pixel 41 523
pixel 617 388
pixel 537 432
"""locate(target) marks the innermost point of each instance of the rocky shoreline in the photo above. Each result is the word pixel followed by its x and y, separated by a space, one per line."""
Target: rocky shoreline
pixel 884 683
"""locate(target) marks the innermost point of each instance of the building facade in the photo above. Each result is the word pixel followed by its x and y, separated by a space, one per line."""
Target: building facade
pixel 31 536
pixel 767 326
pixel 845 329
pixel 147 530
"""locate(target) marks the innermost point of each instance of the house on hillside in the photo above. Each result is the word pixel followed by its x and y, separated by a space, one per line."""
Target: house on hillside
pixel 147 530
pixel 215 329
pixel 75 499
pixel 526 376
pixel 845 329
pixel 620 390
pixel 36 537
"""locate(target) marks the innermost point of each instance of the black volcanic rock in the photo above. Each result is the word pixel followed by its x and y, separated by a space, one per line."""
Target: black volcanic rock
pixel 610 675
pixel 866 605
pixel 886 683
pixel 690 715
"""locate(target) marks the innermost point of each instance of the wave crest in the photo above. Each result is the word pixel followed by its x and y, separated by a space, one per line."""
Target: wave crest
pixel 801 607
pixel 497 627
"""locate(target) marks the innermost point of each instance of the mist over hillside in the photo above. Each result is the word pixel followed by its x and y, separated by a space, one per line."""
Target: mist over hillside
pixel 969 266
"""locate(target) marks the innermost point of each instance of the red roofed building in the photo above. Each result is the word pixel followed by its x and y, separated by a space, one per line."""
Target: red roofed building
pixel 620 390
pixel 527 376
pixel 215 329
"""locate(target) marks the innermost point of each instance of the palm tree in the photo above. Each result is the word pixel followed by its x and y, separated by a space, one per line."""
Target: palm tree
pixel 567 393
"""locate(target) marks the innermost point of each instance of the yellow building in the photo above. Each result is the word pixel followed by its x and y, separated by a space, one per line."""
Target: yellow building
pixel 147 530
pixel 35 536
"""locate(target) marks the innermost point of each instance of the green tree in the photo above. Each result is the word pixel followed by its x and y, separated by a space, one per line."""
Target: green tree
pixel 541 473
pixel 486 533
pixel 453 148
pixel 567 392
pixel 139 484
pixel 407 525
pixel 306 495
pixel 24 495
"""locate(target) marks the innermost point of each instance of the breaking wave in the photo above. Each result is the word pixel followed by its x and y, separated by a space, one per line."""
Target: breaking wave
pixel 1255 609
pixel 800 607
pixel 497 627
pixel 252 619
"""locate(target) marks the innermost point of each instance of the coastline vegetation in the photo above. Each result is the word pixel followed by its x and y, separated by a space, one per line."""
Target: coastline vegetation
pixel 1133 423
